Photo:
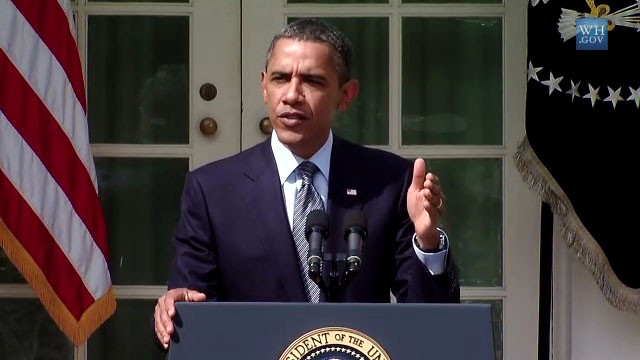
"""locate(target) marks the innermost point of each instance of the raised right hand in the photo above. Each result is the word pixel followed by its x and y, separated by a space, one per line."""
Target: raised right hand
pixel 166 310
pixel 425 205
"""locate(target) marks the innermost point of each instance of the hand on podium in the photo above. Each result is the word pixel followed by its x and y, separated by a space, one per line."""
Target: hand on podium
pixel 166 310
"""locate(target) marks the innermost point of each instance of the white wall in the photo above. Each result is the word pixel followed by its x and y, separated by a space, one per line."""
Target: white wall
pixel 598 330
pixel 585 326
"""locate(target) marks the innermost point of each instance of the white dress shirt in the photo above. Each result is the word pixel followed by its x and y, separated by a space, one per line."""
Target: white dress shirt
pixel 287 162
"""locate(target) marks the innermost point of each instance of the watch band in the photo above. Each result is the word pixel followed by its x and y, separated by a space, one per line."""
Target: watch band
pixel 442 242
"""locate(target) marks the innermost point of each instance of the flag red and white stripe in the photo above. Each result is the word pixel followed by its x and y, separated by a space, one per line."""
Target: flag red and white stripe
pixel 51 222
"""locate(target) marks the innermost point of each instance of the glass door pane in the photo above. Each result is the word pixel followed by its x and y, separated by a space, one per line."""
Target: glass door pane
pixel 127 334
pixel 451 81
pixel 27 332
pixel 473 217
pixel 337 1
pixel 138 79
pixel 142 1
pixel 451 1
pixel 141 202
pixel 8 273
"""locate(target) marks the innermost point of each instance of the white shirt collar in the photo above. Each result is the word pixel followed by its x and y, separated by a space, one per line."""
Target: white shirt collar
pixel 287 161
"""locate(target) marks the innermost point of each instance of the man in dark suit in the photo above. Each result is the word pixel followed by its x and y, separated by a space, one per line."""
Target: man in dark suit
pixel 236 239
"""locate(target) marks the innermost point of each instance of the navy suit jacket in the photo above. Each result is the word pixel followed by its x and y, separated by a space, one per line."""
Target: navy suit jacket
pixel 234 243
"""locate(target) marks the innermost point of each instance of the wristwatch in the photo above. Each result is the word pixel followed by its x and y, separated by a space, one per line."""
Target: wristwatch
pixel 442 242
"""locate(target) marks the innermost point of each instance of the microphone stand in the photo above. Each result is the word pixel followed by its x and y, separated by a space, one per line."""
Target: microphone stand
pixel 343 267
pixel 339 276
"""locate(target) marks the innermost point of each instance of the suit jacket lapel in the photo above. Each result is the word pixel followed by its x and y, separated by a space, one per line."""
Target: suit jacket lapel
pixel 266 205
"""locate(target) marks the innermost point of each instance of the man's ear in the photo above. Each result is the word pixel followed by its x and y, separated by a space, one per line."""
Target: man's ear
pixel 263 82
pixel 348 93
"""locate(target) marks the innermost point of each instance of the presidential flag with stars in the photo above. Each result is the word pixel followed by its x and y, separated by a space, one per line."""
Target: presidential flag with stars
pixel 580 151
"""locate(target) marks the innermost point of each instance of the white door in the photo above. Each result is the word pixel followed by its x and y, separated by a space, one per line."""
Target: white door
pixel 440 81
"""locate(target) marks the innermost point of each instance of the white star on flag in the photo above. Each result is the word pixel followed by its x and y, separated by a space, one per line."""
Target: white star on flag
pixel 553 83
pixel 532 72
pixel 574 90
pixel 614 97
pixel 593 95
pixel 635 94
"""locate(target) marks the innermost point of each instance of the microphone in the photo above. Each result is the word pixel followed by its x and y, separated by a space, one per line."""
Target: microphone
pixel 355 231
pixel 316 230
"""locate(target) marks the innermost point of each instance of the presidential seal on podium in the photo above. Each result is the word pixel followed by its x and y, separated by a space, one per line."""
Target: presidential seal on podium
pixel 334 343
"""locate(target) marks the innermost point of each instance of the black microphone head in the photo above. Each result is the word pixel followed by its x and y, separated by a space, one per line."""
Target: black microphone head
pixel 317 218
pixel 354 220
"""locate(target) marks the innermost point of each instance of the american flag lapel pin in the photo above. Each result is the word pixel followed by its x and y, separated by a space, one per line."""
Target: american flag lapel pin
pixel 352 192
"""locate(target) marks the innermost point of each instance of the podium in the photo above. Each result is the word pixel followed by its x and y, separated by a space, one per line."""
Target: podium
pixel 327 331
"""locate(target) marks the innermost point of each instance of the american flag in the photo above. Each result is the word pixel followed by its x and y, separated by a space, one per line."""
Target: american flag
pixel 51 222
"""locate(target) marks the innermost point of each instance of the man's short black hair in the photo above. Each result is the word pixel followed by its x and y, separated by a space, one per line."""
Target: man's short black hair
pixel 315 30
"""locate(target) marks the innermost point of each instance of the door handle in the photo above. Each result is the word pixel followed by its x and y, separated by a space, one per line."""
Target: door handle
pixel 265 126
pixel 208 126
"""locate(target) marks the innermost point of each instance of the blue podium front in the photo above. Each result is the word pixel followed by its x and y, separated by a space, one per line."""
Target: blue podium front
pixel 300 331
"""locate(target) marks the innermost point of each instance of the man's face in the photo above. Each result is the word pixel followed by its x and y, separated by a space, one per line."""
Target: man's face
pixel 302 92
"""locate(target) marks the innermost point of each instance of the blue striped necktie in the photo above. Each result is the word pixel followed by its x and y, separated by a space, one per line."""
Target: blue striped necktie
pixel 307 199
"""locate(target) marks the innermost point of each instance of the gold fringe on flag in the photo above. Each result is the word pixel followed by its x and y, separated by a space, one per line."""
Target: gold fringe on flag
pixel 573 231
pixel 77 331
